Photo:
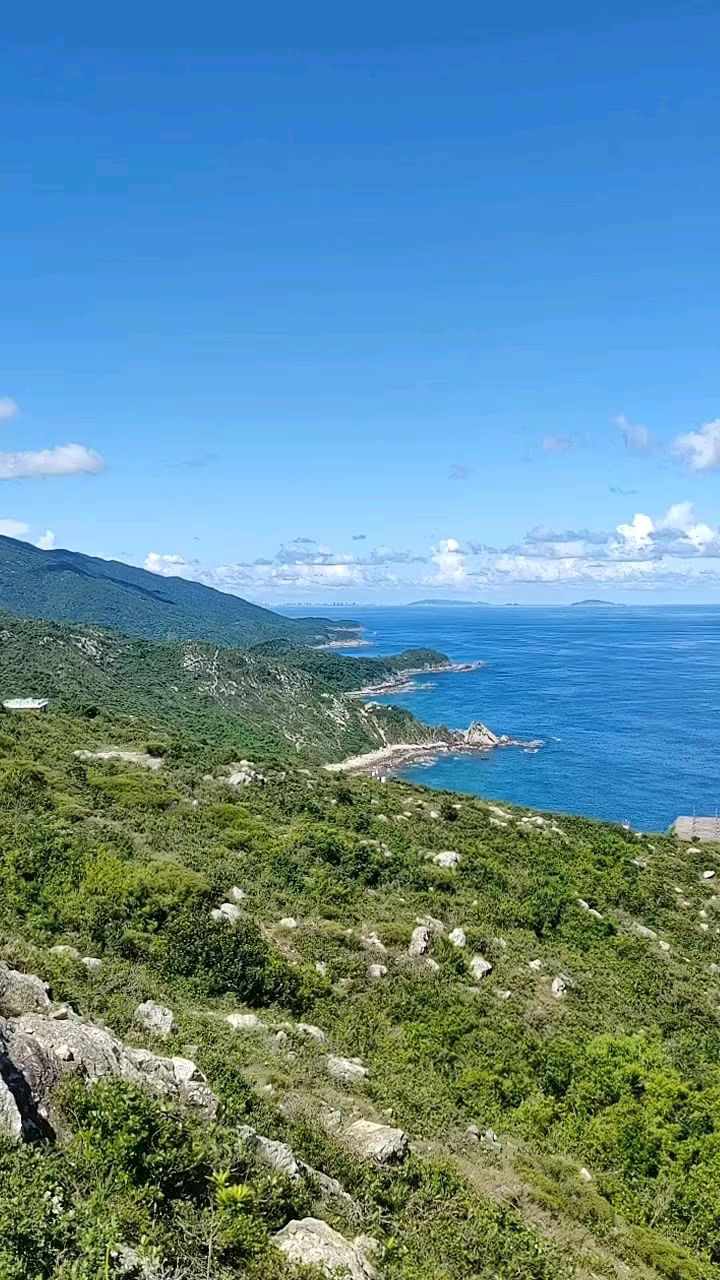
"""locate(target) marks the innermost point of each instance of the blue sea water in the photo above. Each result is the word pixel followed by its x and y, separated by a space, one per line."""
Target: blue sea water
pixel 627 701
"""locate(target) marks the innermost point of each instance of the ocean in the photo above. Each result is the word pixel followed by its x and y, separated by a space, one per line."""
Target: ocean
pixel 627 701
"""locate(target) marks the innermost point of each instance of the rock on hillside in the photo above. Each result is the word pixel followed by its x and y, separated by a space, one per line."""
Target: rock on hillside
pixel 312 1243
pixel 38 1051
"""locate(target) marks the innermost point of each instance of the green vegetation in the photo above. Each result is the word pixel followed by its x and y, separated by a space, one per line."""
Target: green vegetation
pixel 603 1099
pixel 69 587
pixel 344 674
pixel 231 701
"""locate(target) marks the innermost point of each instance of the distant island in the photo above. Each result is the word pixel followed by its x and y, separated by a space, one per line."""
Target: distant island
pixel 439 602
pixel 597 604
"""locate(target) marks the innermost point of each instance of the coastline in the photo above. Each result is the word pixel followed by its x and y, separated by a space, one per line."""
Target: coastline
pixel 477 740
pixel 394 755
pixel 403 681
pixel 343 644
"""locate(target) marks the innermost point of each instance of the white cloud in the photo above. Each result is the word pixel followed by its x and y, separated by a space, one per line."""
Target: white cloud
pixel 8 408
pixel 639 533
pixel 673 548
pixel 636 437
pixel 700 449
pixel 64 460
pixel 557 444
pixel 13 528
pixel 450 564
pixel 46 541
pixel 167 565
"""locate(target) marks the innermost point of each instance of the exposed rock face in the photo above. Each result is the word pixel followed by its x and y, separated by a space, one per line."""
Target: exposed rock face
pixel 457 937
pixel 289 922
pixel 590 910
pixel 155 1017
pixel 227 911
pixel 558 988
pixel 376 971
pixel 419 942
pixel 480 967
pixel 447 858
pixel 22 993
pixel 643 930
pixel 346 1070
pixel 371 942
pixel 142 758
pixel 10 1118
pixel 433 926
pixel 281 1157
pixel 243 774
pixel 379 1142
pixel 37 1052
pixel 312 1243
pixel 71 953
pixel 244 1021
pixel 478 735
pixel 314 1033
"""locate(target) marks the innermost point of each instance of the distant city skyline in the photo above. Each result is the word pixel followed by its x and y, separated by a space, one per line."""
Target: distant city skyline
pixel 423 304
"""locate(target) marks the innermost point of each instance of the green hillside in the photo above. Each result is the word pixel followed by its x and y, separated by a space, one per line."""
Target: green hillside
pixel 69 587
pixel 348 674
pixel 554 1065
pixel 236 698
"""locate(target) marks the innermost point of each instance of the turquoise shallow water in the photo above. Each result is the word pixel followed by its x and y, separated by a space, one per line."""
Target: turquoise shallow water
pixel 627 700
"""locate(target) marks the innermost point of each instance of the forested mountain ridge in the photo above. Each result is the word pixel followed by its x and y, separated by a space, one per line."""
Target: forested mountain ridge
pixel 444 1039
pixel 67 586
pixel 288 704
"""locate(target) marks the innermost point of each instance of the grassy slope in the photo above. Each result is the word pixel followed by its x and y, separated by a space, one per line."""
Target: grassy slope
pixel 620 1077
pixel 69 587
pixel 236 697
pixel 343 674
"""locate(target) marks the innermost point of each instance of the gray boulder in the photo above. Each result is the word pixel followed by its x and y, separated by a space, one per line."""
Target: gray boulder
pixel 346 1070
pixel 281 1157
pixel 244 1021
pixel 311 1242
pixel 643 930
pixel 447 858
pixel 419 942
pixel 378 1142
pixel 64 949
pixel 433 926
pixel 155 1017
pixel 480 967
pixel 310 1031
pixel 11 1124
pixel 228 911
pixel 22 993
pixel 371 942
pixel 37 1052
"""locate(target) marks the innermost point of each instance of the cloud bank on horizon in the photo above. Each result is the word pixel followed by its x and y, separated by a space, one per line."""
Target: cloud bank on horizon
pixel 674 549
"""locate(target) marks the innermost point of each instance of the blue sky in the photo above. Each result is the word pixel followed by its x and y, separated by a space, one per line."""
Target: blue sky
pixel 409 301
